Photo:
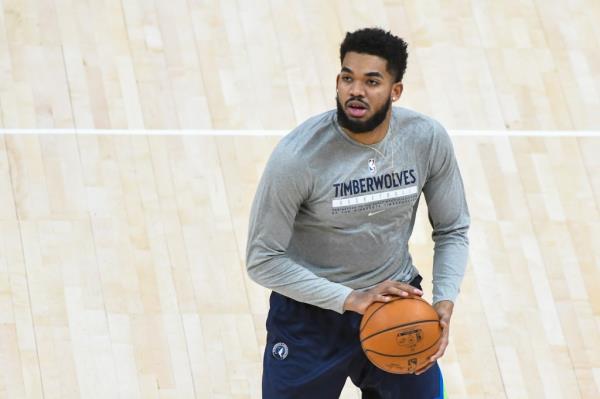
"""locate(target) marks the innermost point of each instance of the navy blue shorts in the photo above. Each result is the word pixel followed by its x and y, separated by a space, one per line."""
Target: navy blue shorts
pixel 311 351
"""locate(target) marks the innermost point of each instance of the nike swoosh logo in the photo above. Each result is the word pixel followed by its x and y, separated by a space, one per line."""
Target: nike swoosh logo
pixel 376 212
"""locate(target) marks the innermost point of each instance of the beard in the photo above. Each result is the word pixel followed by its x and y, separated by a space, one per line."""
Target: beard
pixel 361 126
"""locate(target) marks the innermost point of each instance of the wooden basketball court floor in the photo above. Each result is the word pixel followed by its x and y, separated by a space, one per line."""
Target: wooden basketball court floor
pixel 133 136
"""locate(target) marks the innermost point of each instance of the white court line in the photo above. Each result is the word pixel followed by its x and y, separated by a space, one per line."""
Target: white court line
pixel 149 132
pixel 258 132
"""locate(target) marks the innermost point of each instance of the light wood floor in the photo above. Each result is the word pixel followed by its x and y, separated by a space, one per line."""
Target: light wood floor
pixel 122 256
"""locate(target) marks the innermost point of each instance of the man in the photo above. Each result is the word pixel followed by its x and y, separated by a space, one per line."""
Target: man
pixel 330 225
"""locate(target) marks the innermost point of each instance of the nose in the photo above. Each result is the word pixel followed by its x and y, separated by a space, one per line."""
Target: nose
pixel 357 89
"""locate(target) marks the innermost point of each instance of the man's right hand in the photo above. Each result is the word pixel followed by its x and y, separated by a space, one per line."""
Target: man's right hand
pixel 359 301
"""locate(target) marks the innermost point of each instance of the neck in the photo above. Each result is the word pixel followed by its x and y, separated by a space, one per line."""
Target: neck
pixel 375 135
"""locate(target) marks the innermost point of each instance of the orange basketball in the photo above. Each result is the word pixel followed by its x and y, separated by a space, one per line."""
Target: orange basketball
pixel 401 335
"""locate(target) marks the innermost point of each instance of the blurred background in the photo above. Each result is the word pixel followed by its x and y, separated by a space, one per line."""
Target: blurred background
pixel 133 134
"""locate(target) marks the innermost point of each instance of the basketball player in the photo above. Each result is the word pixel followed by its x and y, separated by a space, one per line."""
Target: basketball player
pixel 330 226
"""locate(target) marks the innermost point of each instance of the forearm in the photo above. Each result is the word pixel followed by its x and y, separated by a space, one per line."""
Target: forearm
pixel 451 254
pixel 293 280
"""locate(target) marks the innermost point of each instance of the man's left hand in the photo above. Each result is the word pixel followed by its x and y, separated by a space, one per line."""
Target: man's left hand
pixel 444 310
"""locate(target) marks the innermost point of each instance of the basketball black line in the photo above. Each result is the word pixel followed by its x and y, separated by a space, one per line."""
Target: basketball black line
pixel 398 326
pixel 412 354
pixel 377 310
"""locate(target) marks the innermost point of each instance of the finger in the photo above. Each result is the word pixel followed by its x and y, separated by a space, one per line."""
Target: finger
pixel 442 348
pixel 382 298
pixel 397 288
pixel 412 290
pixel 421 371
pixel 396 291
pixel 440 352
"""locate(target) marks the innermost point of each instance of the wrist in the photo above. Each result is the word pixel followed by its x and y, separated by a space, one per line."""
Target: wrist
pixel 444 307
pixel 349 301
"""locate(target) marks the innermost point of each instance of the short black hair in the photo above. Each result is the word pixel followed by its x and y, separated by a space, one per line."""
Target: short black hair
pixel 376 41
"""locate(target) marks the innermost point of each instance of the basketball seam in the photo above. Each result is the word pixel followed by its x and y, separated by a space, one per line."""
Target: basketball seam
pixel 363 323
pixel 412 354
pixel 398 326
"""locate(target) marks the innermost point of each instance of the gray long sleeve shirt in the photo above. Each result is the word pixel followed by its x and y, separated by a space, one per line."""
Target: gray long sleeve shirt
pixel 331 215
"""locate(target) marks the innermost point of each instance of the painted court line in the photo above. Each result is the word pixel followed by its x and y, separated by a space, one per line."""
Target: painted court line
pixel 262 132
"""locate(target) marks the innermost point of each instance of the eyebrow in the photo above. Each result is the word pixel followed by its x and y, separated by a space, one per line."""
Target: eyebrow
pixel 373 74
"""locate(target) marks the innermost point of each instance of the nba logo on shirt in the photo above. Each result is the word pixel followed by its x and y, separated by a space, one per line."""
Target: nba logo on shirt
pixel 372 167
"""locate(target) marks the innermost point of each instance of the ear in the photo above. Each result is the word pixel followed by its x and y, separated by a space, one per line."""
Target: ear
pixel 337 81
pixel 397 89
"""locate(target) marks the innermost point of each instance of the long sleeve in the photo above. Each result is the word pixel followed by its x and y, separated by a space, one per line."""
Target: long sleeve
pixel 285 185
pixel 449 217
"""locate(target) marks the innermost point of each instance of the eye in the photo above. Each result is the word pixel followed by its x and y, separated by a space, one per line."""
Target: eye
pixel 373 82
pixel 346 78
